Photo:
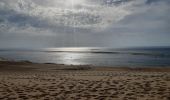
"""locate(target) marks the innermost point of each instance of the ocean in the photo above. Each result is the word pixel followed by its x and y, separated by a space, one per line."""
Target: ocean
pixel 124 57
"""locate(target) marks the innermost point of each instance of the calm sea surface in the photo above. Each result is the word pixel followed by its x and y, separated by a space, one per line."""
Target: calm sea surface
pixel 133 57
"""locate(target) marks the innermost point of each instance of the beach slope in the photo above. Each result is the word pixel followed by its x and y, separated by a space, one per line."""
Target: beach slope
pixel 33 81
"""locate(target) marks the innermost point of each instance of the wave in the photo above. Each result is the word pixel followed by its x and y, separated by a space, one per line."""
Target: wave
pixel 115 52
pixel 163 52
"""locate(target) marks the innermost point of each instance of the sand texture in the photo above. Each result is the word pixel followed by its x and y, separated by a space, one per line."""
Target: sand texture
pixel 28 81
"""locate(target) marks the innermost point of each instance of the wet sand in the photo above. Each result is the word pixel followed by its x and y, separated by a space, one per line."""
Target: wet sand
pixel 31 81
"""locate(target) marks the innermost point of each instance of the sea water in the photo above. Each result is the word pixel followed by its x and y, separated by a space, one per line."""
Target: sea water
pixel 130 57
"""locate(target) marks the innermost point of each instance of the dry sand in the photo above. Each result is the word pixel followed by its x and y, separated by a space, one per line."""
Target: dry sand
pixel 30 81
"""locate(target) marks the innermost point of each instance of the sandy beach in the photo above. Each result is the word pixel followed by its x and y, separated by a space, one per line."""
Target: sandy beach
pixel 32 81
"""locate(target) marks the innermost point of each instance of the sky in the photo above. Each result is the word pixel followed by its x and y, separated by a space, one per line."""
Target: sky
pixel 84 23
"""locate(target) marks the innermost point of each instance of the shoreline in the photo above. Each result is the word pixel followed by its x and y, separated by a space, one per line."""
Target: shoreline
pixel 33 65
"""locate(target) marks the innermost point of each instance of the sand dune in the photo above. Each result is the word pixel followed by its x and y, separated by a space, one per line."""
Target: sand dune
pixel 28 81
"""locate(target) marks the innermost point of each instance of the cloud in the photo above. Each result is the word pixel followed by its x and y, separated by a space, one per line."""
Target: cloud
pixel 84 22
pixel 148 19
pixel 156 1
pixel 148 25
pixel 80 15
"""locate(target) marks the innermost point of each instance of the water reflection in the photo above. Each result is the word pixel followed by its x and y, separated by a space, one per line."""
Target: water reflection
pixel 88 56
pixel 71 49
pixel 71 58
